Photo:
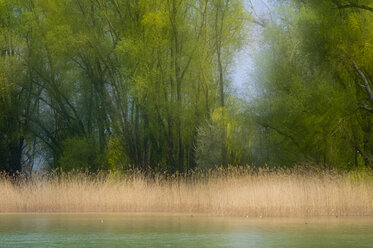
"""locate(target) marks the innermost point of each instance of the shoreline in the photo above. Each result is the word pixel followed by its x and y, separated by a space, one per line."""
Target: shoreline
pixel 220 193
pixel 180 214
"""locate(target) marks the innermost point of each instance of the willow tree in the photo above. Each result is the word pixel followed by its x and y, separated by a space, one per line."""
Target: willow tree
pixel 113 84
pixel 314 94
pixel 175 81
pixel 14 99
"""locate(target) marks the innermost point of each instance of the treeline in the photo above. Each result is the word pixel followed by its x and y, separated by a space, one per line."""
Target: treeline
pixel 98 84
pixel 109 84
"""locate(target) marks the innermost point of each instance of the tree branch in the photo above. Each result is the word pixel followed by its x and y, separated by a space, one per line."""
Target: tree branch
pixel 363 107
pixel 279 132
pixel 366 84
pixel 352 5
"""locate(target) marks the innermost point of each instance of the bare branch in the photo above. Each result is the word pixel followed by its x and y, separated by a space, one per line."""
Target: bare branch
pixel 366 83
pixel 352 5
pixel 266 125
pixel 262 23
pixel 363 107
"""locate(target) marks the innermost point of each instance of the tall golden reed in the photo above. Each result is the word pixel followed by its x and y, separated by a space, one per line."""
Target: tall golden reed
pixel 234 191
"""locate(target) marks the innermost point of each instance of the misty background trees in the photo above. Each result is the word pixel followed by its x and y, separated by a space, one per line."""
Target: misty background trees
pixel 109 84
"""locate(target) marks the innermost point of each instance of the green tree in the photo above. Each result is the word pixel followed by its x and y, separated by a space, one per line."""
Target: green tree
pixel 313 103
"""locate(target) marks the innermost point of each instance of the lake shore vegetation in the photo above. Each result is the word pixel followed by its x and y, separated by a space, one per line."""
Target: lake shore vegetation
pixel 232 191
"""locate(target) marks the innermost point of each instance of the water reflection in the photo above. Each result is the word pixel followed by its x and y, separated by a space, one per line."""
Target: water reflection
pixel 124 230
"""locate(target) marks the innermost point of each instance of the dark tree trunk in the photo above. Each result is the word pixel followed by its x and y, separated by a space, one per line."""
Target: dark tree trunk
pixel 15 160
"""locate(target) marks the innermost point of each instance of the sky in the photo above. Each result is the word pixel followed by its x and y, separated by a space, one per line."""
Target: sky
pixel 243 72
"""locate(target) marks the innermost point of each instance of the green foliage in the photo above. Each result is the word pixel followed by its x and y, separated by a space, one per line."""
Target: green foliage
pixel 311 104
pixel 209 146
pixel 79 154
pixel 236 125
pixel 117 158
pixel 109 84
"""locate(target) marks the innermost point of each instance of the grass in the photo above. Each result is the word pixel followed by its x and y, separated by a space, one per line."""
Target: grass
pixel 233 191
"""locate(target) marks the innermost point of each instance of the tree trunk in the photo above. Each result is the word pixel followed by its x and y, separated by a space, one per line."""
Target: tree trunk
pixel 15 160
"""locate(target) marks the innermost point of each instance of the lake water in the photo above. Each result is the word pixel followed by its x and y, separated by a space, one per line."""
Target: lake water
pixel 124 230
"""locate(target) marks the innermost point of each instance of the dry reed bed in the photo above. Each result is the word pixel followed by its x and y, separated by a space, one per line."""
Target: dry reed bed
pixel 237 191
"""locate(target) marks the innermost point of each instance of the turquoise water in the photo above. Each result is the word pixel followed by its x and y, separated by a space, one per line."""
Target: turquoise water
pixel 124 230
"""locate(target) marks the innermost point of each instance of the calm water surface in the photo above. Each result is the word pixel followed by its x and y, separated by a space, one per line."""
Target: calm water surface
pixel 123 230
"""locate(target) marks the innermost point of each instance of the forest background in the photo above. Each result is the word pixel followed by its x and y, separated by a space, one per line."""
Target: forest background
pixel 147 84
